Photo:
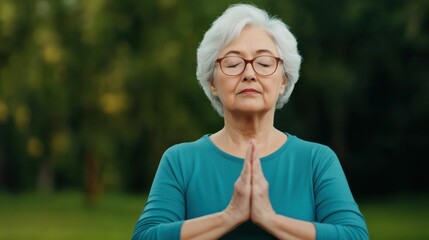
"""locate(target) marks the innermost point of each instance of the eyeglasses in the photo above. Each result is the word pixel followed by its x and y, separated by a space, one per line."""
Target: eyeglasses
pixel 262 65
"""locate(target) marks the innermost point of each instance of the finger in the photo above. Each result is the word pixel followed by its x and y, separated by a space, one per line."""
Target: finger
pixel 246 172
pixel 256 164
pixel 247 167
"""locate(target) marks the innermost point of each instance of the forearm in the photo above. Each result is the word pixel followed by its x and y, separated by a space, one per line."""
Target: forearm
pixel 212 226
pixel 288 228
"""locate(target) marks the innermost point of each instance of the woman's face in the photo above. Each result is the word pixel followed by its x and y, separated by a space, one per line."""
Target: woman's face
pixel 249 92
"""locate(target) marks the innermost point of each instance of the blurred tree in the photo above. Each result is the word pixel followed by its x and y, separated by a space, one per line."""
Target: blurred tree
pixel 93 92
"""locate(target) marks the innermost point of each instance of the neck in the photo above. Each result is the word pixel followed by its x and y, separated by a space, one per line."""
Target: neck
pixel 246 127
pixel 240 129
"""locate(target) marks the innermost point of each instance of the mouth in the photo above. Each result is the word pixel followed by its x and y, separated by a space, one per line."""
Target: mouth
pixel 248 91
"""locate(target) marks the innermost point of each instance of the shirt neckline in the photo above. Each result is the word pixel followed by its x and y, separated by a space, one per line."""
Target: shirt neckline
pixel 273 155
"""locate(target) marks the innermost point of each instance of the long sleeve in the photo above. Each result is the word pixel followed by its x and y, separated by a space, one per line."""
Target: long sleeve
pixel 337 214
pixel 164 211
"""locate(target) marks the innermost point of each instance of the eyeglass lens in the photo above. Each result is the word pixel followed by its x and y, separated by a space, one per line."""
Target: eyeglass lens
pixel 263 65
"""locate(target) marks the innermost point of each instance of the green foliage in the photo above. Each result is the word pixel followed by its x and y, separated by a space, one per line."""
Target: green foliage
pixel 93 92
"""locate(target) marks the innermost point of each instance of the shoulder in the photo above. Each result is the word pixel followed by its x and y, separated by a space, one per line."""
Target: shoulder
pixel 183 158
pixel 186 148
pixel 319 155
pixel 186 152
pixel 310 147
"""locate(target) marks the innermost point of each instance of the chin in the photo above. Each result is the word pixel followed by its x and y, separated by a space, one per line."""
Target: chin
pixel 253 110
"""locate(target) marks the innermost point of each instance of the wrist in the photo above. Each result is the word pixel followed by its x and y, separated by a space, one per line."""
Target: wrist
pixel 265 219
pixel 232 218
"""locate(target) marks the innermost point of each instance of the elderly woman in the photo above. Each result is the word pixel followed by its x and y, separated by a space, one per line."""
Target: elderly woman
pixel 249 180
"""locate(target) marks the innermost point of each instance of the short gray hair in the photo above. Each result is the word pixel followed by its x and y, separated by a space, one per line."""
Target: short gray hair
pixel 228 27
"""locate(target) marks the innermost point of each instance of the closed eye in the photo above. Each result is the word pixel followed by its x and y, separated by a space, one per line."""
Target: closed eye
pixel 233 65
pixel 264 65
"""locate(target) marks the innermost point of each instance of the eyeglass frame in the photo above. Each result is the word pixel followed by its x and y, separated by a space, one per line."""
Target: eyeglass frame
pixel 219 60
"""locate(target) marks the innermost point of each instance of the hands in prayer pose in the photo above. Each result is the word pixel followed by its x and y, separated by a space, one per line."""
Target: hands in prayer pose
pixel 250 200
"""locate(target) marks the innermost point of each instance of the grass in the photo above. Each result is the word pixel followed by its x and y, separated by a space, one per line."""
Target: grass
pixel 403 217
pixel 64 216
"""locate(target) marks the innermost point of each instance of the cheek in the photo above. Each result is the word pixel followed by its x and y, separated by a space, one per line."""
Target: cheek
pixel 277 87
pixel 226 84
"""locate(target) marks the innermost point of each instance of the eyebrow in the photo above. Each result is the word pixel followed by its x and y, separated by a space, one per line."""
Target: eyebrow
pixel 258 52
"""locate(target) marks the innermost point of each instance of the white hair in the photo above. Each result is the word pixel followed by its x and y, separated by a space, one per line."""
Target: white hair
pixel 228 27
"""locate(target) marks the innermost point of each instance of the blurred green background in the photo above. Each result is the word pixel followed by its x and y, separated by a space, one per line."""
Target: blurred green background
pixel 93 92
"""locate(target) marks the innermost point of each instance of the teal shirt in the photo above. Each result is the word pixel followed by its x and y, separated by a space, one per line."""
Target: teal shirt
pixel 305 179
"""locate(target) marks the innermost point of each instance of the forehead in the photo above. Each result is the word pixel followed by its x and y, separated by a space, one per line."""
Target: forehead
pixel 250 42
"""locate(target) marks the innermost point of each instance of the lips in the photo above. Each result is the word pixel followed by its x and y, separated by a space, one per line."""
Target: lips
pixel 249 90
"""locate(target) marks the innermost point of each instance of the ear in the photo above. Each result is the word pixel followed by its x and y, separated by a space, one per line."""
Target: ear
pixel 213 88
pixel 283 85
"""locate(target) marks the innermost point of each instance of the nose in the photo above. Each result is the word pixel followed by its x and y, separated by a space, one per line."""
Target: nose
pixel 249 72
